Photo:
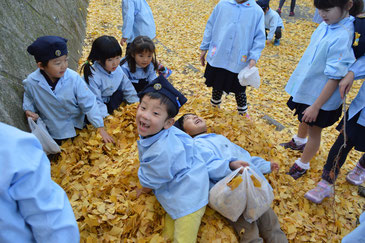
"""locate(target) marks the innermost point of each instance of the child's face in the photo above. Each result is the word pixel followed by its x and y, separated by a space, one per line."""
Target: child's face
pixel 111 64
pixel 143 59
pixel 194 125
pixel 152 117
pixel 332 15
pixel 55 68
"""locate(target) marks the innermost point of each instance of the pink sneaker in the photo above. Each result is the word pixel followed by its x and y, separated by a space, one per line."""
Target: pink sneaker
pixel 357 175
pixel 320 192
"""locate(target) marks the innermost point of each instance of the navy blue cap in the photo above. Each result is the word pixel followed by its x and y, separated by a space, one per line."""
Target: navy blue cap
pixel 263 3
pixel 161 85
pixel 48 47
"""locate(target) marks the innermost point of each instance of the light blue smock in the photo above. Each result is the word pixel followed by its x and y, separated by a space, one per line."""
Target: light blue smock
pixel 149 75
pixel 358 104
pixel 137 20
pixel 64 108
pixel 272 21
pixel 176 173
pixel 33 208
pixel 358 234
pixel 218 151
pixel 104 84
pixel 328 56
pixel 234 34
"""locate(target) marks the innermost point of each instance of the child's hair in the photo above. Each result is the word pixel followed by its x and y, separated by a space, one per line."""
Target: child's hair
pixel 356 8
pixel 180 122
pixel 103 47
pixel 171 108
pixel 139 45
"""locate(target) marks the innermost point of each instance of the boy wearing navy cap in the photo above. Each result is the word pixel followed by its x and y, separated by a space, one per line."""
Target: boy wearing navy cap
pixel 168 163
pixel 273 23
pixel 57 94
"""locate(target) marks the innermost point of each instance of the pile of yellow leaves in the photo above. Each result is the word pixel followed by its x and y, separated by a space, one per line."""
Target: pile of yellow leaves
pixel 100 179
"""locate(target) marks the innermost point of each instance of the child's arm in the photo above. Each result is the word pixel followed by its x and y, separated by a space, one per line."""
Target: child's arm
pixel 272 28
pixel 204 46
pixel 129 92
pixel 128 9
pixel 28 105
pixel 310 114
pixel 95 87
pixel 261 164
pixel 32 115
pixel 237 164
pixel 356 71
pixel 258 40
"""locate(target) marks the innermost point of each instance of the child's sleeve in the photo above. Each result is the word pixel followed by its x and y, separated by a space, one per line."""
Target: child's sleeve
pixel 128 9
pixel 259 39
pixel 261 164
pixel 96 89
pixel 217 168
pixel 151 73
pixel 339 57
pixel 129 92
pixel 28 103
pixel 358 68
pixel 41 202
pixel 87 102
pixel 208 30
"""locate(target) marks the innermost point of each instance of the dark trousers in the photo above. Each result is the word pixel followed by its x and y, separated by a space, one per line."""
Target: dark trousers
pixel 140 85
pixel 115 100
pixel 330 163
pixel 292 5
pixel 277 32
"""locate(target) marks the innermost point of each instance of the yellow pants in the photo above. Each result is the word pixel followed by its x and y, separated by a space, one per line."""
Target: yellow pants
pixel 184 229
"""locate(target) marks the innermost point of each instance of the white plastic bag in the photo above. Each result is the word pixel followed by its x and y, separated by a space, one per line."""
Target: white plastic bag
pixel 229 203
pixel 259 197
pixel 249 76
pixel 39 129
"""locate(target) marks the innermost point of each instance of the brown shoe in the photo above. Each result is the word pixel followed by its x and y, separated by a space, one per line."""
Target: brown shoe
pixel 292 145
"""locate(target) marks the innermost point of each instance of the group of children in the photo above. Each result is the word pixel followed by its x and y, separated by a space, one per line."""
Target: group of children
pixel 180 163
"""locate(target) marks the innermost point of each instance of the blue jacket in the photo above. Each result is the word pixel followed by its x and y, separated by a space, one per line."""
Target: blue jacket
pixel 358 234
pixel 64 108
pixel 33 207
pixel 234 34
pixel 272 21
pixel 218 151
pixel 150 75
pixel 137 20
pixel 358 104
pixel 104 84
pixel 170 166
pixel 328 56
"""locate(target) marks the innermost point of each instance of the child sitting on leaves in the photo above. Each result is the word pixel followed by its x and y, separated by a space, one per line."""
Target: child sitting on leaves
pixel 168 162
pixel 57 94
pixel 273 23
pixel 222 157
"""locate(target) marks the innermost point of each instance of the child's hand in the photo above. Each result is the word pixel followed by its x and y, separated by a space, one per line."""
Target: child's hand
pixel 202 57
pixel 310 114
pixel 142 190
pixel 32 115
pixel 252 63
pixel 237 164
pixel 106 137
pixel 274 166
pixel 122 41
pixel 346 83
pixel 268 42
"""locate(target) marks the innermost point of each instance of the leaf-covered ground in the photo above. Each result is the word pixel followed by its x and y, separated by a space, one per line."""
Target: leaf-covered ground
pixel 100 178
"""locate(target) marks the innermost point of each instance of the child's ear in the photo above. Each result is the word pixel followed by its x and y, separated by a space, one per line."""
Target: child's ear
pixel 168 123
pixel 40 65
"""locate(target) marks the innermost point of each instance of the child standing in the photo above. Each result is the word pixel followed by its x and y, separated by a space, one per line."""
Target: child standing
pixel 168 162
pixel 228 156
pixel 233 38
pixel 355 128
pixel 140 63
pixel 292 6
pixel 313 85
pixel 273 23
pixel 137 20
pixel 105 77
pixel 57 94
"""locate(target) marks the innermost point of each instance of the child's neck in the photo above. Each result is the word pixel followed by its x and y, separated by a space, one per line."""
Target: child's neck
pixel 241 1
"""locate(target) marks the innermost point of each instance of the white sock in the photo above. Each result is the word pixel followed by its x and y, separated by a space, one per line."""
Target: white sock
pixel 302 165
pixel 300 141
